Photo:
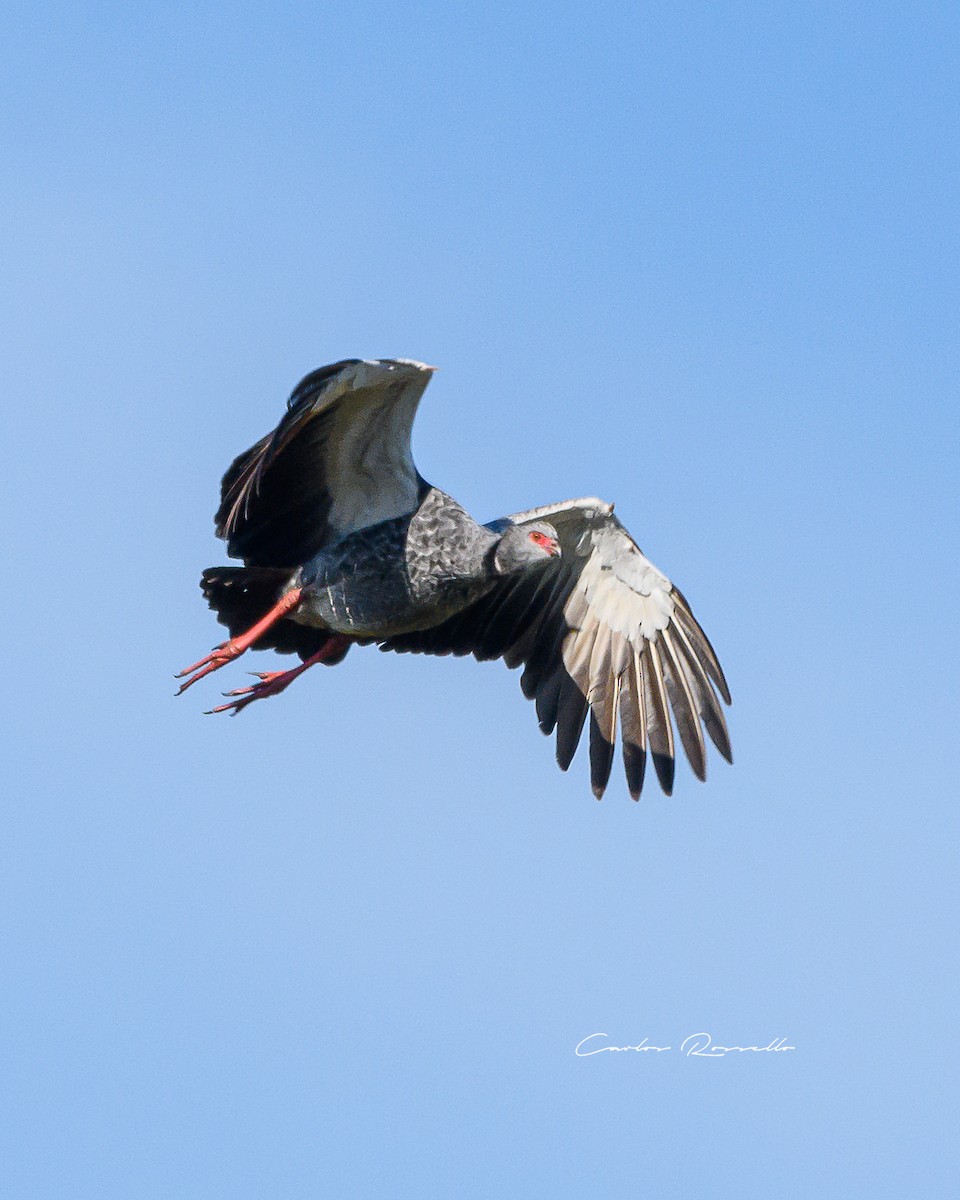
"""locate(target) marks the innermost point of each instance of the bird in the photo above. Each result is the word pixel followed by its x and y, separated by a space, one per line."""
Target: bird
pixel 343 543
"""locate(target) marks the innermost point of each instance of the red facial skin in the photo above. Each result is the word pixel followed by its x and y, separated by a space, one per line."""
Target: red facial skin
pixel 551 545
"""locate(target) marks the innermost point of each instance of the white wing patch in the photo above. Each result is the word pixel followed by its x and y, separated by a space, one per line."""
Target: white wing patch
pixel 371 476
pixel 622 590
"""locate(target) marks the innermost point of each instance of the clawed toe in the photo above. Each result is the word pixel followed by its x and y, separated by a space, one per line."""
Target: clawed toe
pixel 268 686
pixel 201 662
pixel 218 657
pixel 233 707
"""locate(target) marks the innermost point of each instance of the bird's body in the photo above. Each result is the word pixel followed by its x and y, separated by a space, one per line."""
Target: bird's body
pixel 344 542
pixel 404 574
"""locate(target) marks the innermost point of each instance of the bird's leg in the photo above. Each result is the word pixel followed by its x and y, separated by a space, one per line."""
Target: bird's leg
pixel 273 682
pixel 229 650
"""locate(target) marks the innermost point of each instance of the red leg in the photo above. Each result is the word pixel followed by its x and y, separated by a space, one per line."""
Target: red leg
pixel 273 682
pixel 229 650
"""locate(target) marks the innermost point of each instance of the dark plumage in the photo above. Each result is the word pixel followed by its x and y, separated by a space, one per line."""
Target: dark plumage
pixel 344 542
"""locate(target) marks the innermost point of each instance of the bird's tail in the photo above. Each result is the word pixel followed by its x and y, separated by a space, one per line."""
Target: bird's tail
pixel 241 595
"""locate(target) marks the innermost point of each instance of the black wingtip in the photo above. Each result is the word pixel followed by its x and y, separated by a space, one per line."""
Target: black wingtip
pixel 571 715
pixel 665 767
pixel 601 758
pixel 548 700
pixel 635 765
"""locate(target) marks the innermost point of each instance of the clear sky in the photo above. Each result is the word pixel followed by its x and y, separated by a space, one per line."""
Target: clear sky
pixel 699 259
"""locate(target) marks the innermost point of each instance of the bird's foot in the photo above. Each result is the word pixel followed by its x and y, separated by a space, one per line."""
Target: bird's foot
pixel 218 657
pixel 226 652
pixel 271 684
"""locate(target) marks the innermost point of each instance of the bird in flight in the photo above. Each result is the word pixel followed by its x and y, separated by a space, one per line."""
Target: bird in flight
pixel 344 542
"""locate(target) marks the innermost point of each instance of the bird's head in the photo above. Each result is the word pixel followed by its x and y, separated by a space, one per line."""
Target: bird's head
pixel 521 546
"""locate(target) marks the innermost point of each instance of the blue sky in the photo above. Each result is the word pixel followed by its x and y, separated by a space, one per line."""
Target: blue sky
pixel 698 259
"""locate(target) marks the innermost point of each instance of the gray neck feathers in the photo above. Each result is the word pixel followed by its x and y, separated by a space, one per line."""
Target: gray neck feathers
pixel 513 551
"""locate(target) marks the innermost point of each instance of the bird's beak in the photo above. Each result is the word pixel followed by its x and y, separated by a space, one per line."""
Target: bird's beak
pixel 554 547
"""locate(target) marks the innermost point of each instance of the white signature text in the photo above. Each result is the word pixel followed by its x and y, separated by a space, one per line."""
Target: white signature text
pixel 697 1045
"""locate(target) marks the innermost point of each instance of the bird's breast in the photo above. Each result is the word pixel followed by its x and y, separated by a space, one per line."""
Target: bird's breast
pixel 380 597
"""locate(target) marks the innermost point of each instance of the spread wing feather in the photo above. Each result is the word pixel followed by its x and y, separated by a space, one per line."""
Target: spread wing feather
pixel 633 726
pixel 339 460
pixel 602 633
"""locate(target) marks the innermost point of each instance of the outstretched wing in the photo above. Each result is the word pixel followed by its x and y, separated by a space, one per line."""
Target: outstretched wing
pixel 339 460
pixel 600 631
